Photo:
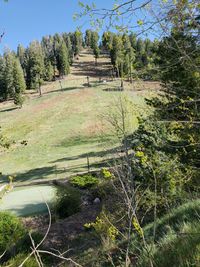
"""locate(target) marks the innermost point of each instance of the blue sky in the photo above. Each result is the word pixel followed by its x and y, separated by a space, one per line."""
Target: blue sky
pixel 27 20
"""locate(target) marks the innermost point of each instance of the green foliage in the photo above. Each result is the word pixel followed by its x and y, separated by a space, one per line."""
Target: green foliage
pixel 106 174
pixel 176 249
pixel 17 260
pixel 24 245
pixel 4 142
pixel 85 181
pixel 3 91
pixel 104 229
pixel 68 201
pixel 8 74
pixel 49 71
pixel 35 65
pixel 18 83
pixel 63 60
pixel 78 42
pixel 11 231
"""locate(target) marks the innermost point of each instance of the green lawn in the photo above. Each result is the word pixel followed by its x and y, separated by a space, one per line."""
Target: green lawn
pixel 61 128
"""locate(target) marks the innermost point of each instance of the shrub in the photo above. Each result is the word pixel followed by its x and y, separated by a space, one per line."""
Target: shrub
pixel 85 181
pixel 24 245
pixel 107 175
pixel 17 260
pixel 11 231
pixel 68 201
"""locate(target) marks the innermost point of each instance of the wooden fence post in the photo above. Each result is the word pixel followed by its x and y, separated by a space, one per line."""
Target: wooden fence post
pixel 88 81
pixel 88 163
pixel 60 85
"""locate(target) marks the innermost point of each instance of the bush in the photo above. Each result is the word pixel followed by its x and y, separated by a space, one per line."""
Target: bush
pixel 107 175
pixel 68 201
pixel 11 231
pixel 85 181
pixel 16 261
pixel 24 245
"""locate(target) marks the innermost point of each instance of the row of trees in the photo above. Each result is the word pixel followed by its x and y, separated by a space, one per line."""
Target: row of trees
pixel 92 41
pixel 52 57
pixel 131 55
pixel 40 61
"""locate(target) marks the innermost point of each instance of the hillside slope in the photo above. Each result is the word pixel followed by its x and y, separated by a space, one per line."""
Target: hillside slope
pixel 62 127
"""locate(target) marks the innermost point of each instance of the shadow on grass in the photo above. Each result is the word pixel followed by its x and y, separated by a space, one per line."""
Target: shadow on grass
pixel 84 140
pixel 41 175
pixel 66 89
pixel 34 174
pixel 92 154
pixel 8 110
pixel 29 209
pixel 63 90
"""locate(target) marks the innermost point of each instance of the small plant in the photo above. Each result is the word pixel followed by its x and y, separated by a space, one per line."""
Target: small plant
pixel 17 260
pixel 107 175
pixel 104 228
pixel 68 201
pixel 85 181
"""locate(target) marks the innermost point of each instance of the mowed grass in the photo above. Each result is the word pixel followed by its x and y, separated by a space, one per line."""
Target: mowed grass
pixel 61 128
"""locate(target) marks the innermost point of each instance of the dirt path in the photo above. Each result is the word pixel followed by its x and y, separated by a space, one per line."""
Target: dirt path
pixel 85 66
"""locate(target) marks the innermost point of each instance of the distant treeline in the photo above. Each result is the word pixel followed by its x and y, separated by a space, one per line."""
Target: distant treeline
pixel 43 61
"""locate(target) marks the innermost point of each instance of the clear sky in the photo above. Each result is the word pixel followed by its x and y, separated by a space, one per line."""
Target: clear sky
pixel 27 20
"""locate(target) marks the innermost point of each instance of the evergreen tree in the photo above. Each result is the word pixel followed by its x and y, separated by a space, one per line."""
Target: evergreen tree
pixel 133 40
pixel 94 39
pixel 96 52
pixel 129 60
pixel 107 40
pixel 63 60
pixel 94 45
pixel 2 79
pixel 49 70
pixel 35 66
pixel 78 42
pixel 9 60
pixel 18 82
pixel 68 43
pixel 117 55
pixel 88 36
pixel 22 57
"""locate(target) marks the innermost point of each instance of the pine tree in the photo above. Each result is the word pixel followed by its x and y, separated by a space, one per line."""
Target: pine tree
pixel 63 60
pixel 94 45
pixel 88 36
pixel 96 52
pixel 94 40
pixel 67 39
pixel 9 60
pixel 49 70
pixel 35 66
pixel 2 79
pixel 107 40
pixel 22 56
pixel 133 40
pixel 117 55
pixel 78 42
pixel 18 83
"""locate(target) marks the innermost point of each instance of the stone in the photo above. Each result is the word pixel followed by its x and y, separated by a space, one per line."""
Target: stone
pixel 97 201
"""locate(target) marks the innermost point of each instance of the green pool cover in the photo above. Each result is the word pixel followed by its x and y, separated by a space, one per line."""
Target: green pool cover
pixel 28 200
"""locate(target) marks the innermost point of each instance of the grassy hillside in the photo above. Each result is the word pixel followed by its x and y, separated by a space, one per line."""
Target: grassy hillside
pixel 63 126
